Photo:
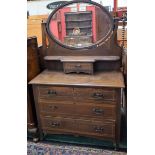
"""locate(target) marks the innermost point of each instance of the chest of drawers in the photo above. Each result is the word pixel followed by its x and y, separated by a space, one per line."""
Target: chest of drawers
pixel 79 104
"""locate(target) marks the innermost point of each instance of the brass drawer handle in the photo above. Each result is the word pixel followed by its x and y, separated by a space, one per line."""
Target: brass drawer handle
pixel 98 111
pixel 51 92
pixel 78 65
pixel 98 95
pixel 53 107
pixel 98 129
pixel 55 124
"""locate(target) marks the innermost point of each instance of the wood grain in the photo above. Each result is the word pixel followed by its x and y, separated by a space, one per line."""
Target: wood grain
pixel 103 79
pixel 82 58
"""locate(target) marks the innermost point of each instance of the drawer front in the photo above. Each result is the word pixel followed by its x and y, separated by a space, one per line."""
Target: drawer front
pixel 99 128
pixel 95 94
pixel 57 108
pixel 104 111
pixel 87 127
pixel 58 123
pixel 55 93
pixel 96 111
pixel 78 67
pixel 98 95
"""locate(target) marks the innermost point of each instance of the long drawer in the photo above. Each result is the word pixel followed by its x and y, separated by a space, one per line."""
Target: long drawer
pixel 101 111
pixel 88 127
pixel 77 94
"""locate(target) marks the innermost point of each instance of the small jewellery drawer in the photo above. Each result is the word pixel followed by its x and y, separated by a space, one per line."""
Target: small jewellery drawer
pixel 99 128
pixel 95 94
pixel 100 111
pixel 55 93
pixel 84 67
pixel 57 108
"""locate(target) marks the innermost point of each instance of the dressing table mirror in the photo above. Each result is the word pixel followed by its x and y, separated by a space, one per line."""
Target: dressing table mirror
pixel 81 32
pixel 79 93
pixel 80 25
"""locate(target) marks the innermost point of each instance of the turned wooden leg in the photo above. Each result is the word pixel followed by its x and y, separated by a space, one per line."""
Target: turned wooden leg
pixel 34 134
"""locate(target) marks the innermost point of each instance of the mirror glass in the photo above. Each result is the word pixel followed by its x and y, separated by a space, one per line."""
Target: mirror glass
pixel 80 25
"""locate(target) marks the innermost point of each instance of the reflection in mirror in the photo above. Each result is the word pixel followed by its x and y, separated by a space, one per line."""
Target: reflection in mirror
pixel 80 24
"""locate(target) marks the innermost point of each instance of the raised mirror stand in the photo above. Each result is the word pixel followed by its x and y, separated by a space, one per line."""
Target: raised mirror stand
pixel 80 64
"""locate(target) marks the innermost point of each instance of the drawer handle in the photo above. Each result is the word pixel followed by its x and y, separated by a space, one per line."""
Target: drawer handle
pixel 98 111
pixel 99 129
pixel 98 95
pixel 78 65
pixel 53 107
pixel 52 92
pixel 55 124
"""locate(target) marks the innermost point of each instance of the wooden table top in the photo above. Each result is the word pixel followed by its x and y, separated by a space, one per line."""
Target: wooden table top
pixel 82 58
pixel 100 79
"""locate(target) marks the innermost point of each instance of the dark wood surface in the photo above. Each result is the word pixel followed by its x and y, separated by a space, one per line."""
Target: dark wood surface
pixel 56 65
pixel 83 110
pixel 78 67
pixel 110 48
pixel 33 69
pixel 71 94
pixel 87 127
pixel 98 63
pixel 106 57
pixel 104 79
pixel 31 118
pixel 82 58
pixel 80 104
pixel 108 51
pixel 70 108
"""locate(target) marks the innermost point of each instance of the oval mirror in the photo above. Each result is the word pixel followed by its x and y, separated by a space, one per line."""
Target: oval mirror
pixel 80 24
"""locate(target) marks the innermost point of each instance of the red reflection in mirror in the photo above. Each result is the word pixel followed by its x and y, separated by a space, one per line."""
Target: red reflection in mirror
pixel 79 24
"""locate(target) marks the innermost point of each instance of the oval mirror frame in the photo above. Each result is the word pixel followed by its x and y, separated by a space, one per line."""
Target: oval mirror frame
pixel 95 45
